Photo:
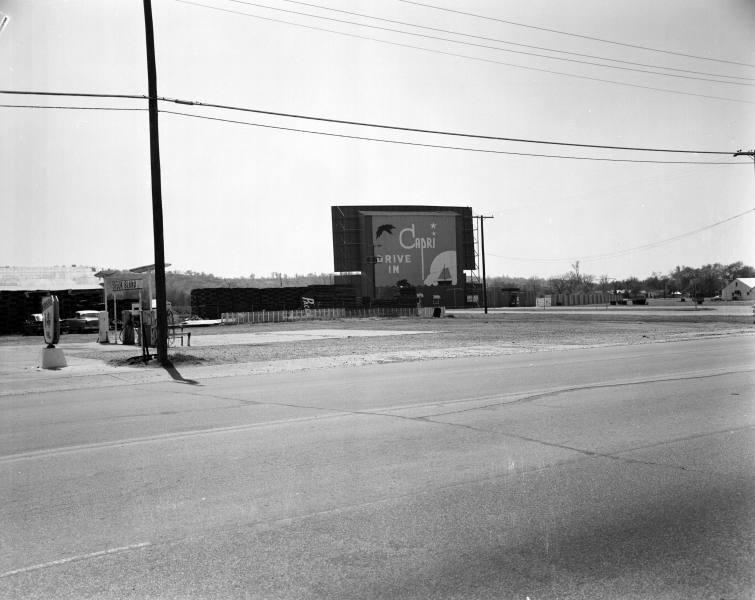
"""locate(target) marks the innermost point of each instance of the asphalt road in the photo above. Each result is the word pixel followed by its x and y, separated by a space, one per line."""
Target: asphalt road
pixel 621 472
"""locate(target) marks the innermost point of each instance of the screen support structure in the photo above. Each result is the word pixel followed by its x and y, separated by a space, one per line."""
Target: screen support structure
pixel 482 259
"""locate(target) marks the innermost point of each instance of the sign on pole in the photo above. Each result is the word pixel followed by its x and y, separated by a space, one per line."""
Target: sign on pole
pixel 122 285
pixel 51 319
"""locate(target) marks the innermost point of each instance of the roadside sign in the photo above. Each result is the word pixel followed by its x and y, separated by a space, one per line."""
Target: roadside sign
pixel 122 285
pixel 51 319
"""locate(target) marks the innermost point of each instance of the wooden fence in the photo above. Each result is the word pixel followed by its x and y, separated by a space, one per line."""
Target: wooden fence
pixel 328 314
pixel 581 299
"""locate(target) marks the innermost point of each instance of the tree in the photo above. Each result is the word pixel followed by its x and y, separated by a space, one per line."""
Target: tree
pixel 606 284
pixel 709 280
pixel 657 284
pixel 561 284
pixel 737 270
pixel 682 278
pixel 632 286
pixel 577 282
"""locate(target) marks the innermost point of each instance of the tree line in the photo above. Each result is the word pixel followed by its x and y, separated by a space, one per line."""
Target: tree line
pixel 707 281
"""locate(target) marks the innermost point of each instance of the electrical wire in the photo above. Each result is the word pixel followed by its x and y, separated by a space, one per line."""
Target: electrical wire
pixel 75 94
pixel 444 147
pixel 576 35
pixel 382 126
pixel 484 46
pixel 439 132
pixel 73 107
pixel 490 39
pixel 618 253
pixel 468 57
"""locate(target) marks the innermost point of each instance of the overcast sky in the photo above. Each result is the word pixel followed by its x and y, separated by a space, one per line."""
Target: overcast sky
pixel 241 199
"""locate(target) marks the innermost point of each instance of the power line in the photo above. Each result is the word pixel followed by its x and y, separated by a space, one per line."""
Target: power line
pixel 466 56
pixel 444 147
pixel 484 46
pixel 576 35
pixel 439 132
pixel 75 94
pixel 490 39
pixel 618 253
pixel 112 108
pixel 382 126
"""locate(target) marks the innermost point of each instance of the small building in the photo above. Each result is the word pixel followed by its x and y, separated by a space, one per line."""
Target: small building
pixel 742 288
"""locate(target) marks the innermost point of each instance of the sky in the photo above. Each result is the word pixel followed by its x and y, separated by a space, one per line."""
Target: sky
pixel 251 193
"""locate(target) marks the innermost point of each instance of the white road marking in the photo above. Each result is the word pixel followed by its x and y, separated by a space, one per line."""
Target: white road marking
pixel 70 559
pixel 54 452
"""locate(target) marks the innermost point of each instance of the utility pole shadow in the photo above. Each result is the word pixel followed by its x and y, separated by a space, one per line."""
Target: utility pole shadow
pixel 173 372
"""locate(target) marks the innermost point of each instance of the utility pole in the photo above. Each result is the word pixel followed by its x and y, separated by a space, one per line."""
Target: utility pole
pixel 157 200
pixel 482 243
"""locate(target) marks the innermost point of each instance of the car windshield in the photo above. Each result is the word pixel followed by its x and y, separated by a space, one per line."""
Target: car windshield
pixel 87 313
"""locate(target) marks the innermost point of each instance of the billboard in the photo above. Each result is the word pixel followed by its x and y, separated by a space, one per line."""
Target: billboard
pixel 420 248
pixel 427 246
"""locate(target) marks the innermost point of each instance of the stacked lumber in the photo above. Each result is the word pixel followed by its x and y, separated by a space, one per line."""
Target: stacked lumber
pixel 211 303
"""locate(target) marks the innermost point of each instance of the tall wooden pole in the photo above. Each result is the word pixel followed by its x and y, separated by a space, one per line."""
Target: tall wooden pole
pixel 482 251
pixel 157 201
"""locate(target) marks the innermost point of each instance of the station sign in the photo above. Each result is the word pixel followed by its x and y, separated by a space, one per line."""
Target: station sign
pixel 123 285
pixel 51 319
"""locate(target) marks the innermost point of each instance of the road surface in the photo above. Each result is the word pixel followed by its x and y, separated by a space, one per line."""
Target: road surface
pixel 615 472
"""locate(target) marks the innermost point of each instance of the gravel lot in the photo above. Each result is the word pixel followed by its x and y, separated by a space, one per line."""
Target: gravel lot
pixel 468 335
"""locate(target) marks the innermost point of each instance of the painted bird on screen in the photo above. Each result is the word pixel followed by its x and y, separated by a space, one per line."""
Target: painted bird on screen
pixel 384 228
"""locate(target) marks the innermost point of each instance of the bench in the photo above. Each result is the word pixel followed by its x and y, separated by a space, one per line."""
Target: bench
pixel 179 334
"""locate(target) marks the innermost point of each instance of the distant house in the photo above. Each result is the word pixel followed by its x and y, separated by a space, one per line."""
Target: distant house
pixel 742 288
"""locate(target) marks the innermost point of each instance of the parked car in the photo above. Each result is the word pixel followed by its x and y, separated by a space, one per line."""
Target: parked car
pixel 85 321
pixel 34 324
pixel 716 299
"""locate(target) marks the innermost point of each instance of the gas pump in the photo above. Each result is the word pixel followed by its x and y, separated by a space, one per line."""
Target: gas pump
pixel 145 332
pixel 128 333
pixel 147 328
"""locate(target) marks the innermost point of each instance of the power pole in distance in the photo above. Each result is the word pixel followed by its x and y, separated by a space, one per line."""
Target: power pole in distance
pixel 482 242
pixel 157 200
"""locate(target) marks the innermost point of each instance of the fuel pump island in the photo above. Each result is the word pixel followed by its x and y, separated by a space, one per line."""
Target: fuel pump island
pixel 138 325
